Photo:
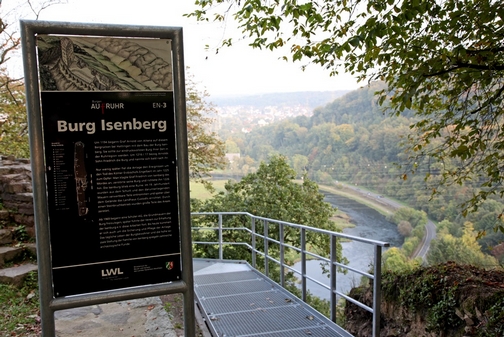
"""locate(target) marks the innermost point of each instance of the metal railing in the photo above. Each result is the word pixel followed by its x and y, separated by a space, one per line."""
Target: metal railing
pixel 255 224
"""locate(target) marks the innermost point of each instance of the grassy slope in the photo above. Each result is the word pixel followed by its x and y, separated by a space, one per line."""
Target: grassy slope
pixel 19 309
pixel 199 192
pixel 359 197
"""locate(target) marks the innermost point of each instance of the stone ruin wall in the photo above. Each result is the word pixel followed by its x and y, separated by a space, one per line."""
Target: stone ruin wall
pixel 16 194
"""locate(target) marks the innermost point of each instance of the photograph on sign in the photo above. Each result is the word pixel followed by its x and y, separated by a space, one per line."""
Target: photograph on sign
pixel 111 165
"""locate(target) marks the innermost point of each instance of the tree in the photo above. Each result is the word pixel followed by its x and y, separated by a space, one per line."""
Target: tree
pixel 13 127
pixel 272 193
pixel 394 260
pixel 231 146
pixel 299 162
pixel 442 59
pixel 13 123
pixel 463 250
pixel 404 228
pixel 410 215
pixel 206 150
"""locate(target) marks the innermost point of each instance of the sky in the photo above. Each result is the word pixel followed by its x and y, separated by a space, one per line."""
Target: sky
pixel 236 70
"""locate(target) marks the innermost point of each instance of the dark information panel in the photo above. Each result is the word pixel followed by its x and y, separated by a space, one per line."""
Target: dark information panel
pixel 112 189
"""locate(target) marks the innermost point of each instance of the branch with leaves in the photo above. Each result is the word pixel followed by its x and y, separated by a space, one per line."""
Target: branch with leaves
pixel 206 150
pixel 442 59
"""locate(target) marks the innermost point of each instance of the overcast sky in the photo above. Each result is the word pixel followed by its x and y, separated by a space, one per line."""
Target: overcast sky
pixel 239 70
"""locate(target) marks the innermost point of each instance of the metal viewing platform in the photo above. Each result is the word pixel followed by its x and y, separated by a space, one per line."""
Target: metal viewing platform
pixel 239 301
pixel 236 299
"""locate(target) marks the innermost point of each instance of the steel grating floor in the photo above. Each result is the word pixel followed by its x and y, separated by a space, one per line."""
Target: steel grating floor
pixel 236 300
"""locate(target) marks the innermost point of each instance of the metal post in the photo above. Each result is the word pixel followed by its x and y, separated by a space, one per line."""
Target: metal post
pixel 38 179
pixel 333 278
pixel 303 264
pixel 377 291
pixel 253 227
pixel 266 245
pixel 183 181
pixel 282 253
pixel 221 253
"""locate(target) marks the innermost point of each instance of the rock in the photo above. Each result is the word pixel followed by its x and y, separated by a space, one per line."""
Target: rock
pixel 31 248
pixel 16 275
pixel 4 215
pixel 5 236
pixel 468 320
pixel 8 254
pixel 16 194
pixel 22 219
pixel 474 292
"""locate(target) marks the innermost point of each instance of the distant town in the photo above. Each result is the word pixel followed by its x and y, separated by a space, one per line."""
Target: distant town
pixel 249 112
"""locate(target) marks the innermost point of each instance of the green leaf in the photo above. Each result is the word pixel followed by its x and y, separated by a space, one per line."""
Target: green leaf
pixel 354 41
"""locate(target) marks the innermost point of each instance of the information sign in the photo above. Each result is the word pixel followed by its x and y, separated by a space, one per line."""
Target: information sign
pixel 111 164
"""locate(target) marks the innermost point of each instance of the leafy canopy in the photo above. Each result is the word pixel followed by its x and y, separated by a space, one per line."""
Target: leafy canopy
pixel 442 59
pixel 271 192
pixel 13 125
pixel 205 149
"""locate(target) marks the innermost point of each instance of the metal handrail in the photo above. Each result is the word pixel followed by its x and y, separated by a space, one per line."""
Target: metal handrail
pixel 333 264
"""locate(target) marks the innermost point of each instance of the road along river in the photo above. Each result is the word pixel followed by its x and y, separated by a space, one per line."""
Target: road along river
pixel 369 224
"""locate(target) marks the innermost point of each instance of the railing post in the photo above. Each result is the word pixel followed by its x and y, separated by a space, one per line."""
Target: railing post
pixel 334 237
pixel 253 228
pixel 282 253
pixel 332 270
pixel 377 291
pixel 221 253
pixel 266 244
pixel 303 264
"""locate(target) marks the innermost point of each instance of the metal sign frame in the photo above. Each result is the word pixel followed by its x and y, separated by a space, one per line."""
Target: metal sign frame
pixel 48 302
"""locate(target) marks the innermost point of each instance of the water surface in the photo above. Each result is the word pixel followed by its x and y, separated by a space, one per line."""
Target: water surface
pixel 369 224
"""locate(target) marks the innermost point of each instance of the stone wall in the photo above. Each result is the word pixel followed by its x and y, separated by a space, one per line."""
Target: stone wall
pixel 16 194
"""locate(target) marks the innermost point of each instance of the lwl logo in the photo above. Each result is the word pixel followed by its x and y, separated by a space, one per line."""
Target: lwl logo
pixel 111 272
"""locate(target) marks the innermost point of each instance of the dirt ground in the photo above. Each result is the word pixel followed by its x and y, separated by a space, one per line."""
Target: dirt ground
pixel 174 305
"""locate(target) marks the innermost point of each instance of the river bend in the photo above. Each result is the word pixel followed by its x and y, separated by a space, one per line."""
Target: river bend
pixel 369 224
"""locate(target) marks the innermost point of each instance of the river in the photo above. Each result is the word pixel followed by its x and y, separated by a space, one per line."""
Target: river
pixel 369 224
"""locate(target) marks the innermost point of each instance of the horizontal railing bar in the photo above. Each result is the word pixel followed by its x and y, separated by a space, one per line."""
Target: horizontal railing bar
pixel 292 247
pixel 274 241
pixel 204 243
pixel 223 228
pixel 69 302
pixel 273 259
pixel 370 276
pixel 328 288
pixel 224 243
pixel 363 273
pixel 316 256
pixel 318 282
pixel 272 227
pixel 259 252
pixel 298 272
pixel 357 303
pixel 312 229
pixel 292 269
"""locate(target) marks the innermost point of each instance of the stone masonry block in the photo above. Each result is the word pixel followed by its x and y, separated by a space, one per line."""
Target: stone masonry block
pixel 5 236
pixel 26 209
pixel 17 187
pixel 16 275
pixel 26 220
pixel 4 215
